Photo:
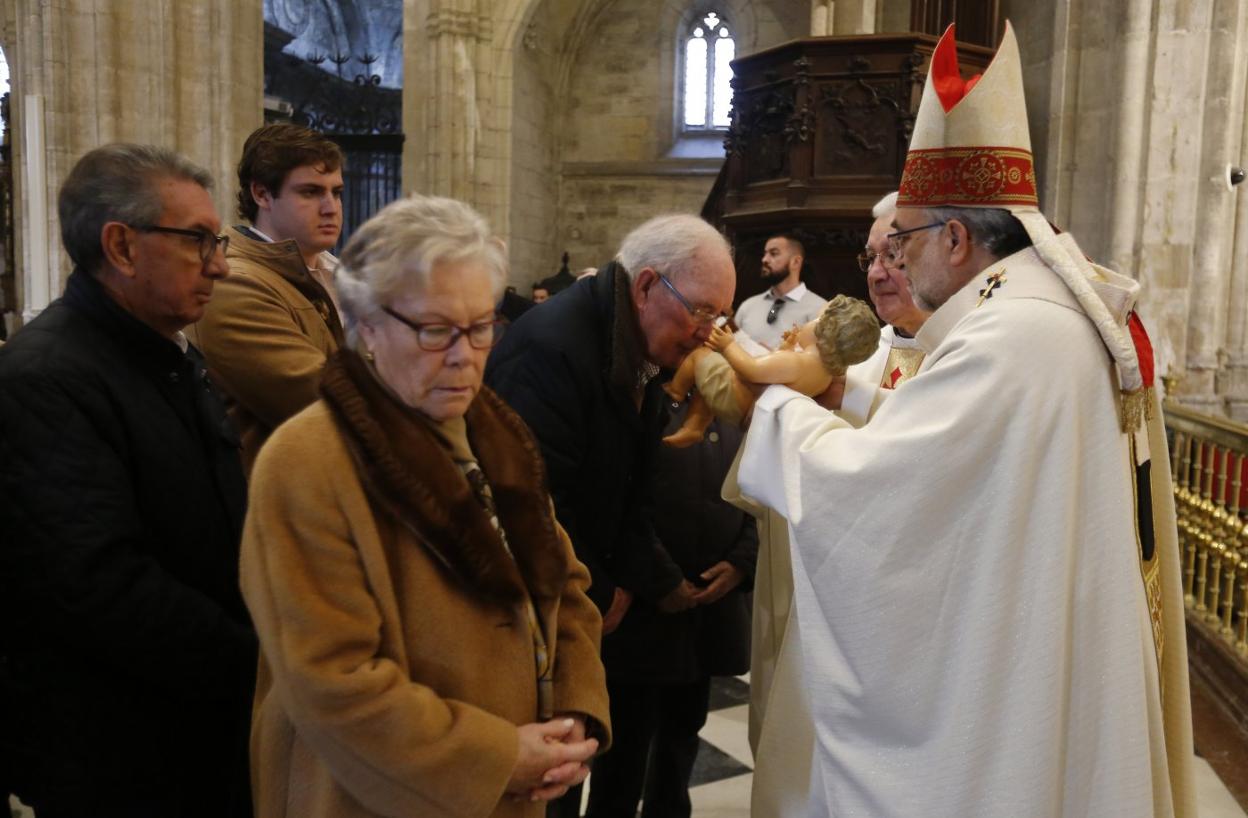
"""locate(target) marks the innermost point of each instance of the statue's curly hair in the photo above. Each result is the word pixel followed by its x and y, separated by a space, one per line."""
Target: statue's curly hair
pixel 846 333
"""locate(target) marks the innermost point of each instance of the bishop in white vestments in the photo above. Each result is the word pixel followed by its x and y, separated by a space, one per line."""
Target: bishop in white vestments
pixel 985 574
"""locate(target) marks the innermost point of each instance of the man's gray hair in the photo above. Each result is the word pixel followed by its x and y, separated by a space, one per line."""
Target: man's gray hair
pixel 395 251
pixel 673 244
pixel 884 206
pixel 117 183
pixel 994 229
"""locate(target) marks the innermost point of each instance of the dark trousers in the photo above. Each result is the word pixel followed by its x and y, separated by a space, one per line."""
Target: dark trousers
pixel 654 744
pixel 569 806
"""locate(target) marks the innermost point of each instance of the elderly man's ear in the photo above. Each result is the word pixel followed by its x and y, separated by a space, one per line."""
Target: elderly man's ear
pixel 645 278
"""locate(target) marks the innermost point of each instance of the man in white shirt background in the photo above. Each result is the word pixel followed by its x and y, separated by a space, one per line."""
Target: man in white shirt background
pixel 786 302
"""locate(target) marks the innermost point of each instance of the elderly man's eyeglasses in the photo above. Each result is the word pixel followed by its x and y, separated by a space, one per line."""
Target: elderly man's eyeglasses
pixel 207 241
pixel 700 315
pixel 867 257
pixel 435 337
pixel 897 241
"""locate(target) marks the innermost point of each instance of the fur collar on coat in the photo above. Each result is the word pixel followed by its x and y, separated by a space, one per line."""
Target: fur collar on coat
pixel 408 472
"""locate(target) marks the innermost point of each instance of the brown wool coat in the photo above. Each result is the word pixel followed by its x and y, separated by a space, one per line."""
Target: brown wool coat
pixel 266 335
pixel 397 664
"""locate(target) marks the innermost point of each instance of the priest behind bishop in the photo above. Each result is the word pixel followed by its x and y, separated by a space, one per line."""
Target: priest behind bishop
pixel 985 573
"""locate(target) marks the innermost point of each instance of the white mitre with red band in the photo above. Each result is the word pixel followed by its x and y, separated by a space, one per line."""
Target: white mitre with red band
pixel 971 148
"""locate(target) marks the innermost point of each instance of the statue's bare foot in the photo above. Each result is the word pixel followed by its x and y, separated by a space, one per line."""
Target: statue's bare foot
pixel 672 392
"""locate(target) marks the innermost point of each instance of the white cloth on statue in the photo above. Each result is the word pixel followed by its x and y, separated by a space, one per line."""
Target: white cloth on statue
pixel 975 636
pixel 801 305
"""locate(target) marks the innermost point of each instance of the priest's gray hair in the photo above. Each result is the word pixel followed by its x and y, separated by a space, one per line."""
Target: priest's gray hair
pixel 994 229
pixel 884 206
pixel 394 252
pixel 675 245
pixel 117 183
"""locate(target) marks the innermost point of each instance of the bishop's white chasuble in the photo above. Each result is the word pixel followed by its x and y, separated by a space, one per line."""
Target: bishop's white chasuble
pixel 975 636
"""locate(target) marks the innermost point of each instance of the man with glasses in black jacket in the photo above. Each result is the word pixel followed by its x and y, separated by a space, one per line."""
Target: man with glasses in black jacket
pixel 127 658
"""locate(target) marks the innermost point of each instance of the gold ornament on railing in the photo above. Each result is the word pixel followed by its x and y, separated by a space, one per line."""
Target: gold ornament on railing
pixel 1207 457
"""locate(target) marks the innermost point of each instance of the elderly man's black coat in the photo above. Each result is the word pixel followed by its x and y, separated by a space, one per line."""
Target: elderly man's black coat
pixel 569 367
pixel 698 529
pixel 127 658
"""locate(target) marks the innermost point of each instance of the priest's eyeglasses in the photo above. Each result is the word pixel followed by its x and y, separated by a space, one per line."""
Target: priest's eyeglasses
pixel 700 315
pixel 867 257
pixel 437 337
pixel 897 241
pixel 207 241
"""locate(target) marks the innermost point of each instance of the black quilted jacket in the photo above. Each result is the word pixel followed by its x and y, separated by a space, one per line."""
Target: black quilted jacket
pixel 126 655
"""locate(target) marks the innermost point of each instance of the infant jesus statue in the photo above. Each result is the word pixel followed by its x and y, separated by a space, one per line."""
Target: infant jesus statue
pixel 808 359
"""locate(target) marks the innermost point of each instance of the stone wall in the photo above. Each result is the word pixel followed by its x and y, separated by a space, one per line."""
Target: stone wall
pixel 617 128
pixel 1135 109
pixel 493 119
pixel 182 75
pixel 597 210
pixel 534 172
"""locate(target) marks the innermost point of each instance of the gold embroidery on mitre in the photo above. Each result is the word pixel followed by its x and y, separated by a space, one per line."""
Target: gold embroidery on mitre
pixel 985 176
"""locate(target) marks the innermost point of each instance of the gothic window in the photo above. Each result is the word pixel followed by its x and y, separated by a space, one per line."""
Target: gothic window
pixel 706 95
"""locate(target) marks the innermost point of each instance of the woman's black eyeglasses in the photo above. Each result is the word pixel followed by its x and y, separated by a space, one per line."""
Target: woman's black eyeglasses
pixel 436 337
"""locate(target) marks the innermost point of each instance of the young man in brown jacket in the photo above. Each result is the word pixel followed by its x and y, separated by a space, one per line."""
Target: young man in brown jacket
pixel 274 321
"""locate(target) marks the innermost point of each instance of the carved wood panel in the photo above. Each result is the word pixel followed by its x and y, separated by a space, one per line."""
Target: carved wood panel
pixel 760 133
pixel 979 21
pixel 819 132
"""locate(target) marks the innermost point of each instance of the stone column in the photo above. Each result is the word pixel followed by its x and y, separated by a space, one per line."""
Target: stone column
pixel 1232 379
pixel 442 101
pixel 821 12
pixel 842 17
pixel 457 100
pixel 188 76
pixel 1213 229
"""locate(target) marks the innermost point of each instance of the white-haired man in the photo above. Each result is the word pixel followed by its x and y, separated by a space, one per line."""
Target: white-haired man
pixel 899 356
pixel 580 371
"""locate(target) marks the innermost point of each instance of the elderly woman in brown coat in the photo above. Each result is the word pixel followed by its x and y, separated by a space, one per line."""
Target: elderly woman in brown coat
pixel 429 649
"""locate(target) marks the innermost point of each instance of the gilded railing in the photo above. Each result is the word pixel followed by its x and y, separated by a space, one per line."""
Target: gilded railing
pixel 1209 460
